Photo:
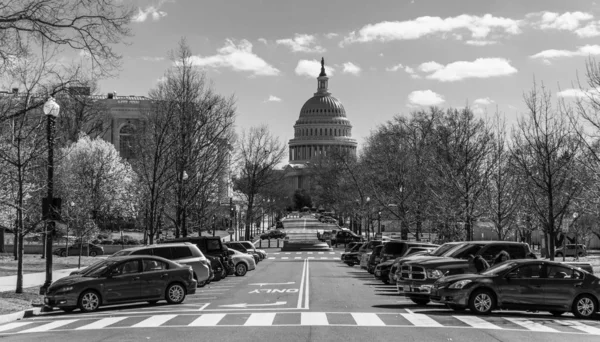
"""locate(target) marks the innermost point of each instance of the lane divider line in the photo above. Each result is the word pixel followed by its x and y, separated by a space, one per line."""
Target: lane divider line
pixel 301 292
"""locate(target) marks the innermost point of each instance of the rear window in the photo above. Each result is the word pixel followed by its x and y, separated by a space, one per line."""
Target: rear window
pixel 121 253
pixel 196 251
pixel 213 245
pixel 464 251
pixel 163 252
pixel 517 251
pixel 394 248
pixel 181 252
pixel 443 249
pixel 144 251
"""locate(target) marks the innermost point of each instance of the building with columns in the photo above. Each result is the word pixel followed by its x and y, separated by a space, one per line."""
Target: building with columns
pixel 321 129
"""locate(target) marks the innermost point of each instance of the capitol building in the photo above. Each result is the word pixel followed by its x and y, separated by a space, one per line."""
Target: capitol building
pixel 321 130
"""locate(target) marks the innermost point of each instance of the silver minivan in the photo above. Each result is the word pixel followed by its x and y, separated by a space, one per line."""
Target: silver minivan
pixel 185 253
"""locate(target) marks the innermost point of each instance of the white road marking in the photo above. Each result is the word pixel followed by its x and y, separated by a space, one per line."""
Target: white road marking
pixel 284 258
pixel 307 289
pixel 367 319
pixel 421 320
pixel 271 258
pixel 321 253
pixel 296 258
pixel 207 320
pixel 331 252
pixel 288 253
pixel 324 258
pixel 260 319
pixel 298 252
pixel 580 326
pixel 204 306
pixel 301 285
pixel 530 325
pixel 49 326
pixel 13 325
pixel 476 322
pixel 153 321
pixel 313 318
pixel 102 323
pixel 309 253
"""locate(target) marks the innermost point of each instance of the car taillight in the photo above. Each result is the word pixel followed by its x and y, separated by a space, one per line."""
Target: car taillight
pixel 191 273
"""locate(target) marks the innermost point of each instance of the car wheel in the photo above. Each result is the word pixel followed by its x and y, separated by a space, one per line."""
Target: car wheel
pixel 559 255
pixel 175 293
pixel 93 253
pixel 585 306
pixel 152 302
pixel 350 264
pixel 557 313
pixel 482 302
pixel 89 301
pixel 420 301
pixel 241 269
pixel 63 254
pixel 456 308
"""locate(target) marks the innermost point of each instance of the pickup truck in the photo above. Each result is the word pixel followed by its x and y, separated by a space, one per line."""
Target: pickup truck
pixel 417 277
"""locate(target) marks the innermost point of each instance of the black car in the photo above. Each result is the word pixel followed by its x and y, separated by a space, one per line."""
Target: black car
pixel 241 248
pixel 120 280
pixel 374 259
pixel 87 249
pixel 352 258
pixel 210 245
pixel 522 285
pixel 345 236
pixel 273 234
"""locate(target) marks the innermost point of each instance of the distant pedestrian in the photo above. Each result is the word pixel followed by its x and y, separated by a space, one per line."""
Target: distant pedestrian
pixel 501 257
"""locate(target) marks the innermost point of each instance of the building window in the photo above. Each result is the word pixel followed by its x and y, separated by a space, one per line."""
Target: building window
pixel 126 141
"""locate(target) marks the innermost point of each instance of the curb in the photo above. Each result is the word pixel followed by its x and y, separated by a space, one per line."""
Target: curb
pixel 15 316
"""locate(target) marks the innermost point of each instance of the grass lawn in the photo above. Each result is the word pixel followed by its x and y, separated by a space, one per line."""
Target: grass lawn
pixel 13 302
pixel 33 263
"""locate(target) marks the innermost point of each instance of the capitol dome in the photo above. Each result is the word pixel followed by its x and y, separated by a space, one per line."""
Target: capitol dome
pixel 322 127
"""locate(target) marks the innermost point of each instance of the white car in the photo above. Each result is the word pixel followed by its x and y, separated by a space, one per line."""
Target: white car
pixel 250 246
pixel 242 262
pixel 364 260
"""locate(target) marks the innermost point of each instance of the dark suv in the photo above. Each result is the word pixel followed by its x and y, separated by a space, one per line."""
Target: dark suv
pixel 391 251
pixel 417 277
pixel 213 247
pixel 345 236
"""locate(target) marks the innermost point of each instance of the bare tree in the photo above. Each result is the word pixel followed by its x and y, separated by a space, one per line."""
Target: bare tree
pixel 259 154
pixel 546 151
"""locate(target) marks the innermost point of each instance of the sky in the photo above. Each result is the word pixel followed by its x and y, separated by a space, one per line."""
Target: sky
pixel 384 58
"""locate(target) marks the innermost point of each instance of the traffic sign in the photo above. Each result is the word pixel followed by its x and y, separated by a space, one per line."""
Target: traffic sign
pixel 230 231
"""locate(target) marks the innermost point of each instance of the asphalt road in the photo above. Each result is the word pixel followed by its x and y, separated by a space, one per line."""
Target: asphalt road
pixel 297 297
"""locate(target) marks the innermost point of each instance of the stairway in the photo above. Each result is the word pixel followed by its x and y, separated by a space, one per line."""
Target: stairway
pixel 302 234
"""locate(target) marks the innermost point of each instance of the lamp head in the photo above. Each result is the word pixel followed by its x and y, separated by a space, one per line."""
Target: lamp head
pixel 51 107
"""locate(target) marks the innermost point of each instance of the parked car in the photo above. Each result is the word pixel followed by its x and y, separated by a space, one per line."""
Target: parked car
pixel 241 248
pixel 273 234
pixel 440 251
pixel 571 250
pixel 417 277
pixel 87 249
pixel 352 258
pixel 279 225
pixel 250 246
pixel 522 285
pixel 343 236
pixel 375 258
pixel 382 270
pixel 350 246
pixel 364 260
pixel 216 267
pixel 184 253
pixel 123 279
pixel 243 262
pixel 210 245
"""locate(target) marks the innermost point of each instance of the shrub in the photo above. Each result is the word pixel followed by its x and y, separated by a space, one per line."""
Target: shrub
pixel 131 242
pixel 106 242
pixel 102 236
pixel 96 242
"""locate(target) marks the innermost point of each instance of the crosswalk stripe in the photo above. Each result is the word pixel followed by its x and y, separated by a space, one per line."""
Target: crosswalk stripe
pixel 324 258
pixel 13 325
pixel 271 258
pixel 367 319
pixel 530 325
pixel 207 320
pixel 331 252
pixel 580 326
pixel 313 318
pixel 284 258
pixel 50 326
pixel 321 252
pixel 476 322
pixel 288 253
pixel 260 319
pixel 153 321
pixel 421 320
pixel 101 323
pixel 297 257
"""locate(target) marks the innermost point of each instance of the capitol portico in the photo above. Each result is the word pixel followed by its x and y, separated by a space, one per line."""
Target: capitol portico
pixel 321 129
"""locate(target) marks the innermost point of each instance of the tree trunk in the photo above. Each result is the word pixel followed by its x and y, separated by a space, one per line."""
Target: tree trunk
pixel 20 248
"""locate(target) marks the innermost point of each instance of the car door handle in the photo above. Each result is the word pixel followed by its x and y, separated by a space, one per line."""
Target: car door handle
pixel 164 275
pixel 136 278
pixel 579 285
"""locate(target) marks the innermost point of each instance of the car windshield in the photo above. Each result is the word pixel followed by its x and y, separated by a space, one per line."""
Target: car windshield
pixel 464 250
pixel 498 268
pixel 441 250
pixel 98 269
pixel 122 252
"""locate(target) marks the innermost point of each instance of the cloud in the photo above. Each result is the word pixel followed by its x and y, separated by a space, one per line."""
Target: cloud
pixel 430 66
pixel 568 21
pixel 480 27
pixel 381 54
pixel 302 43
pixel 585 50
pixel 311 68
pixel 480 42
pixel 152 59
pixel 262 40
pixel 579 93
pixel 395 67
pixel 331 35
pixel 351 68
pixel 238 57
pixel 425 98
pixel 406 68
pixel 484 101
pixel 273 98
pixel 479 68
pixel 592 29
pixel 148 12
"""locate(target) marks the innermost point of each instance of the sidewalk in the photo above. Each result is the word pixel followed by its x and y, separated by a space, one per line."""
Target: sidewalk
pixel 9 283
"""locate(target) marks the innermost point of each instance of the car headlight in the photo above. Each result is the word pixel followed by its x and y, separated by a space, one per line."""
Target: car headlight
pixel 65 289
pixel 460 284
pixel 434 274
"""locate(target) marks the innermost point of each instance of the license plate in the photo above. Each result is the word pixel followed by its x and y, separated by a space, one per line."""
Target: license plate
pixel 406 288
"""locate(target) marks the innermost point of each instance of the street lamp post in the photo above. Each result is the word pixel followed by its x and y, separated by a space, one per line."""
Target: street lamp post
pixel 379 222
pixel 368 219
pixel 51 109
pixel 71 205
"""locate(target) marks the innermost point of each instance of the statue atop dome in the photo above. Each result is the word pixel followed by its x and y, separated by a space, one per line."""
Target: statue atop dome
pixel 322 67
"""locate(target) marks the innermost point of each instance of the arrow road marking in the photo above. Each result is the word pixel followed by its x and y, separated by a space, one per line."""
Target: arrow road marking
pixel 262 284
pixel 245 305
